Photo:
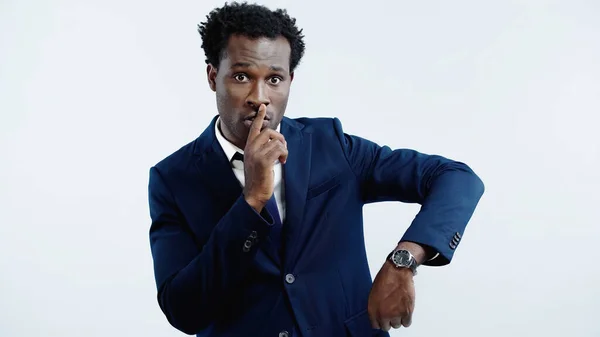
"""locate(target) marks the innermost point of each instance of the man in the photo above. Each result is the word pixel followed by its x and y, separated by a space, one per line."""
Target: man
pixel 257 224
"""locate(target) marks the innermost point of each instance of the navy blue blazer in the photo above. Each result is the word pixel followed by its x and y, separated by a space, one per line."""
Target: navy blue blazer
pixel 210 285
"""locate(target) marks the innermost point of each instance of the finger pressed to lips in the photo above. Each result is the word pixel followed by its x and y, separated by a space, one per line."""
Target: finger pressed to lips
pixel 254 115
pixel 248 123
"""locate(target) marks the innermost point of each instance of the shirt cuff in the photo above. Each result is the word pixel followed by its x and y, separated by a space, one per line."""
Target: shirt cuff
pixel 434 257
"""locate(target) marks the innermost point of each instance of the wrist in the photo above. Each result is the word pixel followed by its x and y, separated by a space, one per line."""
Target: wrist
pixel 402 272
pixel 419 252
pixel 254 203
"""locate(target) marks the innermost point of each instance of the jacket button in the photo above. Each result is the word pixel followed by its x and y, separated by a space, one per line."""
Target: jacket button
pixel 284 334
pixel 289 278
pixel 247 246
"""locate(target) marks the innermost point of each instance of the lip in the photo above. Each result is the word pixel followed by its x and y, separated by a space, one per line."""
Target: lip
pixel 253 116
pixel 248 122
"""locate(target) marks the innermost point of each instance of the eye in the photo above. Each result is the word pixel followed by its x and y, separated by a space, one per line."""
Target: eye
pixel 275 80
pixel 240 77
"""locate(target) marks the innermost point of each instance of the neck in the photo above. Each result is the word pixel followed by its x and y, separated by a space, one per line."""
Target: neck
pixel 229 137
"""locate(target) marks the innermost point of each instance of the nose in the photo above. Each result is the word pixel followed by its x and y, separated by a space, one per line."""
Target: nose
pixel 258 95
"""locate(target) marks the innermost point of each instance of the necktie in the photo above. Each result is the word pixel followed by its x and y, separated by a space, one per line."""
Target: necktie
pixel 275 233
pixel 271 207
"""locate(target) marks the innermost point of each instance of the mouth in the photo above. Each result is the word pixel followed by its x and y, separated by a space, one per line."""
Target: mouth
pixel 249 121
pixel 253 116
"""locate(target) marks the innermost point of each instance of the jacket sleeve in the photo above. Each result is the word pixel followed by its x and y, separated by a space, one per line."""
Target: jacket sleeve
pixel 448 191
pixel 194 280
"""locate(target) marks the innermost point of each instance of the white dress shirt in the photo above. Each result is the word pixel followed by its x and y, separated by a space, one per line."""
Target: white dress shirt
pixel 238 168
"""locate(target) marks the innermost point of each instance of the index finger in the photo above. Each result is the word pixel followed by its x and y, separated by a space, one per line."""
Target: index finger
pixel 257 123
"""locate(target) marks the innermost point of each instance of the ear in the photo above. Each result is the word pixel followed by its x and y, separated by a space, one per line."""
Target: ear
pixel 211 75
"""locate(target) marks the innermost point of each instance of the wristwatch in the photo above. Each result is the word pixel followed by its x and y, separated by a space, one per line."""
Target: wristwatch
pixel 403 259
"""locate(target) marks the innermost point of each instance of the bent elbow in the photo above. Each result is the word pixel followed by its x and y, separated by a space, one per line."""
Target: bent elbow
pixel 189 317
pixel 469 179
pixel 189 327
pixel 478 185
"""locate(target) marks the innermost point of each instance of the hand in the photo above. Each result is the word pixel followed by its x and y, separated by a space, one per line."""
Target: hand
pixel 262 149
pixel 392 298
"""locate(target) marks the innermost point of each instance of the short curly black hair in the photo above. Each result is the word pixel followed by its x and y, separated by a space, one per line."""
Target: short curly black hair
pixel 250 20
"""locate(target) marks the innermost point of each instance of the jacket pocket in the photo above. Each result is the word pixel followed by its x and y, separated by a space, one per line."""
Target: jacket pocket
pixel 359 325
pixel 324 187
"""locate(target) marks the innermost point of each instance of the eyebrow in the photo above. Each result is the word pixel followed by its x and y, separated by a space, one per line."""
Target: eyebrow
pixel 248 65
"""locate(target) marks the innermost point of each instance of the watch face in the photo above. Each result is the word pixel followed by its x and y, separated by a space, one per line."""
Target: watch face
pixel 401 258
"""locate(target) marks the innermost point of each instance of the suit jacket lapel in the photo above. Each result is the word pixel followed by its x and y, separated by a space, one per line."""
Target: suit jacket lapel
pixel 296 175
pixel 215 169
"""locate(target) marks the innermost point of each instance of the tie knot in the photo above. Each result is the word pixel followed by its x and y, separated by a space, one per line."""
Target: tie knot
pixel 238 156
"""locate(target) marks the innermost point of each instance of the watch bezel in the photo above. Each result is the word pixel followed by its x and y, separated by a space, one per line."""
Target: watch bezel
pixel 403 259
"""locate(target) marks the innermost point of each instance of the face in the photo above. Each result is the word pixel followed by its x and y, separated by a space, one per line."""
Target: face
pixel 252 72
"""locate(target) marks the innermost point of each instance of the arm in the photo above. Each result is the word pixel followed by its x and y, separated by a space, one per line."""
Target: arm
pixel 448 192
pixel 194 280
